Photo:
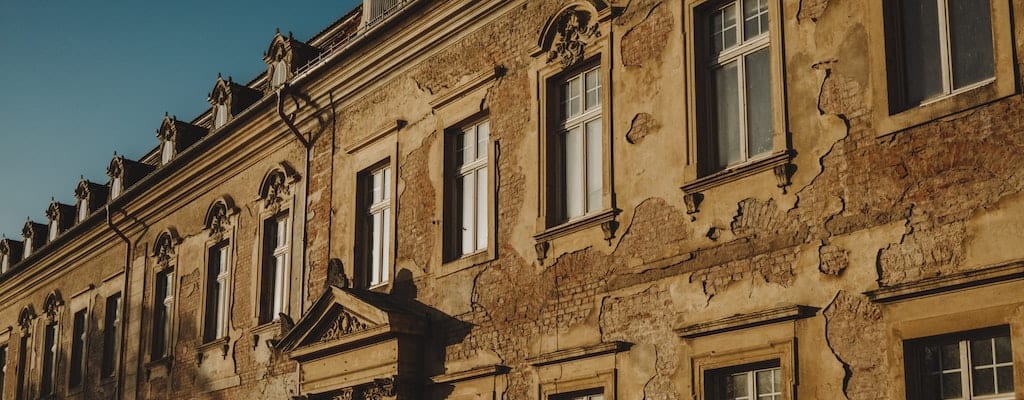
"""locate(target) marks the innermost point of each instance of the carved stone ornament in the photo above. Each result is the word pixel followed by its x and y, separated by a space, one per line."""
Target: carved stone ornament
pixel 164 251
pixel 345 324
pixel 276 189
pixel 218 220
pixel 609 228
pixel 783 173
pixel 574 30
pixel 693 201
pixel 381 388
pixel 542 250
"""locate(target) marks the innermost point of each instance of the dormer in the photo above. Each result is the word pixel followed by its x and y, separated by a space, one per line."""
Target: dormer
pixel 10 254
pixel 228 99
pixel 124 173
pixel 62 218
pixel 35 237
pixel 91 197
pixel 176 136
pixel 283 57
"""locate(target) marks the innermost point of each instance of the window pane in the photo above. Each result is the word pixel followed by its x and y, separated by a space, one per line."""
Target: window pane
pixel 970 41
pixel 951 388
pixel 574 173
pixel 759 104
pixel 921 57
pixel 387 183
pixel 950 356
pixel 572 98
pixel 1004 378
pixel 736 386
pixel 376 246
pixel 930 359
pixel 723 29
pixel 468 191
pixel 1004 353
pixel 983 381
pixel 593 89
pixel 594 170
pixel 726 119
pixel 463 152
pixel 482 136
pixel 755 17
pixel 481 208
pixel 378 186
pixel 981 352
pixel 385 270
pixel 279 282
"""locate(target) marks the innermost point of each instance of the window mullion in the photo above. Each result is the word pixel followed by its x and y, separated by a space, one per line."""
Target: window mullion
pixel 965 370
pixel 944 50
pixel 741 86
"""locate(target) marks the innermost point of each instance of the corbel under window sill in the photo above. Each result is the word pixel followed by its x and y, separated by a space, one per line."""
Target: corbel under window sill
pixel 741 171
pixel 577 225
pixel 204 350
pixel 268 332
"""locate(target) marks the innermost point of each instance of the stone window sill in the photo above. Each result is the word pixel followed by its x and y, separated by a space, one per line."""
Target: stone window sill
pixel 576 225
pixel 215 347
pixel 469 260
pixel 779 163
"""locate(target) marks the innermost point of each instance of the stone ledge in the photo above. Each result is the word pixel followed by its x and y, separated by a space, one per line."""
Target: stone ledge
pixel 578 353
pixel 743 321
pixel 997 273
pixel 738 172
pixel 474 373
pixel 577 225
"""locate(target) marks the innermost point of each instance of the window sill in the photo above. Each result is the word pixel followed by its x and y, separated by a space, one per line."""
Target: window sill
pixel 576 225
pixel 159 367
pixel 469 260
pixel 269 332
pixel 221 345
pixel 738 172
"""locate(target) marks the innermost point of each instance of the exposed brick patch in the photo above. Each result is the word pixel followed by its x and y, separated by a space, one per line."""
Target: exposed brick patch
pixel 654 233
pixel 646 41
pixel 853 329
pixel 643 125
pixel 644 318
pixel 758 218
pixel 775 267
pixel 416 216
pixel 840 95
pixel 812 9
pixel 832 260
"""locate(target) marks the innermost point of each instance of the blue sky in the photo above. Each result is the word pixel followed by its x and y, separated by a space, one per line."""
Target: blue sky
pixel 82 79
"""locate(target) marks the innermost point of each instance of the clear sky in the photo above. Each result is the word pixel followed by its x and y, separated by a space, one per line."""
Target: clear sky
pixel 82 79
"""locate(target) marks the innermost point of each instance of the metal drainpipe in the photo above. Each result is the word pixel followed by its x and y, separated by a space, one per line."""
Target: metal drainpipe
pixel 124 304
pixel 305 209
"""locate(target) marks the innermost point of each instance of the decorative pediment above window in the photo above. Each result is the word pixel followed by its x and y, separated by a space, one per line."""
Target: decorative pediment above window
pixel 277 186
pixel 176 136
pixel 567 34
pixel 378 338
pixel 164 248
pixel 284 56
pixel 52 304
pixel 217 217
pixel 228 99
pixel 61 216
pixel 90 195
pixel 25 318
pixel 125 173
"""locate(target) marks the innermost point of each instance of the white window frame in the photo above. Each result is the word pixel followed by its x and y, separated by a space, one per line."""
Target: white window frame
pixel 736 54
pixel 166 152
pixel 473 198
pixel 54 229
pixel 595 396
pixel 115 324
pixel 50 354
pixel 81 367
pixel 580 202
pixel 223 279
pixel 965 369
pixel 378 231
pixel 276 252
pixel 83 209
pixel 115 187
pixel 168 304
pixel 220 115
pixel 751 376
pixel 280 256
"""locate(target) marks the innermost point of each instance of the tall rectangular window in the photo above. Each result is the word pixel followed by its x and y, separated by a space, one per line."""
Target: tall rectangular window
pixel 83 210
pixel 967 365
pixel 54 229
pixel 467 193
pixel 375 225
pixel 115 187
pixel 164 295
pixel 577 158
pixel 738 93
pixel 5 263
pixel 111 336
pixel 28 247
pixel 22 365
pixel 3 369
pixel 167 152
pixel 78 343
pixel 220 115
pixel 584 395
pixel 937 48
pixel 49 359
pixel 273 290
pixel 215 326
pixel 762 381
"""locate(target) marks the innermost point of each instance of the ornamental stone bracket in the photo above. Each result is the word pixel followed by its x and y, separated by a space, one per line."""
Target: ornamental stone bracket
pixel 574 30
pixel 372 334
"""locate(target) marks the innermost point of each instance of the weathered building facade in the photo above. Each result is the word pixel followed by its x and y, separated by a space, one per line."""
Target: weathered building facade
pixel 590 199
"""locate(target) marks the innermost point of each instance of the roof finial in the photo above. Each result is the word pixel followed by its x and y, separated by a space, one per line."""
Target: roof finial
pixel 290 35
pixel 277 30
